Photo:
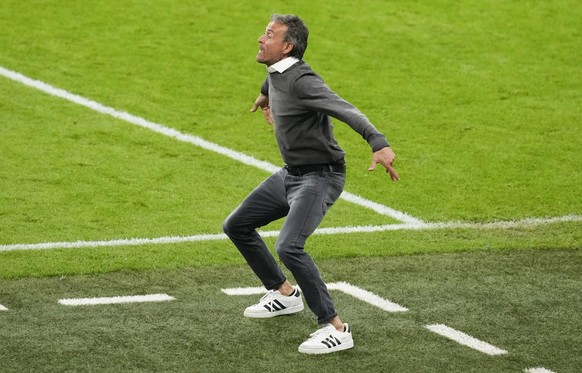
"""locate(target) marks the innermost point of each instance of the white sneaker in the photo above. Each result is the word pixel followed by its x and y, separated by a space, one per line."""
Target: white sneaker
pixel 275 304
pixel 328 339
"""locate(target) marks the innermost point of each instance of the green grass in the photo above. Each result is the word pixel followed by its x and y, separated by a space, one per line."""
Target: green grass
pixel 58 262
pixel 523 301
pixel 479 99
pixel 116 179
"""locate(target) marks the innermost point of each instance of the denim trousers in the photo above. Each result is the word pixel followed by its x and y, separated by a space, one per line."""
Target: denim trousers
pixel 304 200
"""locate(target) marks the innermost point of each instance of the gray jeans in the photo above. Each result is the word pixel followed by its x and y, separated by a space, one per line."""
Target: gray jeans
pixel 304 200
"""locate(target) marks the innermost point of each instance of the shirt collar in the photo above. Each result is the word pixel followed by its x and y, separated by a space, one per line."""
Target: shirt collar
pixel 282 65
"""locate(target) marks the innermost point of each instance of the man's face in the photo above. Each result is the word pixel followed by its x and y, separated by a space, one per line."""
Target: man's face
pixel 272 48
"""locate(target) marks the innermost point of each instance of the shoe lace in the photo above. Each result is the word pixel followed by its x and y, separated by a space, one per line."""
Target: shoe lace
pixel 325 330
pixel 269 298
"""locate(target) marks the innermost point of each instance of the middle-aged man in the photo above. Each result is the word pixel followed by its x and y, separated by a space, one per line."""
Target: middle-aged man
pixel 300 105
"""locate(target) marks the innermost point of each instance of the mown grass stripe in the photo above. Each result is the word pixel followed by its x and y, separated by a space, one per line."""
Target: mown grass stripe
pixel 321 231
pixel 194 140
pixel 465 339
pixel 116 300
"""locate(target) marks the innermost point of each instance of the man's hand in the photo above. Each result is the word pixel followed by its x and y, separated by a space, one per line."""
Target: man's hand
pixel 263 102
pixel 385 157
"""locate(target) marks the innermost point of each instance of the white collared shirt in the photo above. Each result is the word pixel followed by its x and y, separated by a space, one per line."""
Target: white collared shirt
pixel 282 65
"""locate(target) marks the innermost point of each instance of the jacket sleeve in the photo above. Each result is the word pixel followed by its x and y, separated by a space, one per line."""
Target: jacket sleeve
pixel 265 87
pixel 315 95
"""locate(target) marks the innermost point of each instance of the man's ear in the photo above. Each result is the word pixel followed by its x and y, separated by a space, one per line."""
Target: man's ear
pixel 288 48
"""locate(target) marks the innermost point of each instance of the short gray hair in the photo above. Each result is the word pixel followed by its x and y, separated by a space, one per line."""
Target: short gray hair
pixel 297 33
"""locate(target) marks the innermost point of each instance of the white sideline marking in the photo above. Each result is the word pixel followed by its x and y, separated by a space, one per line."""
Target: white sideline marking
pixel 538 370
pixel 244 291
pixel 465 339
pixel 120 242
pixel 2 308
pixel 194 140
pixel 529 222
pixel 116 300
pixel 366 296
pixel 379 208
pixel 356 292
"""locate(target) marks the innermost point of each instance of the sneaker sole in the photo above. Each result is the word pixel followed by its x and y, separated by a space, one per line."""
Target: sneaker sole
pixel 265 315
pixel 319 351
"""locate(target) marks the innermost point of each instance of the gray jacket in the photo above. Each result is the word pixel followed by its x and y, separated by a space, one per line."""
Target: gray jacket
pixel 301 106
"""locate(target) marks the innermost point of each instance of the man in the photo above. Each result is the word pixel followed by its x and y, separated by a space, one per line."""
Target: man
pixel 299 104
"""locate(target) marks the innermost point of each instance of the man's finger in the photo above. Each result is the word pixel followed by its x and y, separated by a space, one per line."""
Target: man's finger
pixel 254 108
pixel 268 117
pixel 372 166
pixel 392 172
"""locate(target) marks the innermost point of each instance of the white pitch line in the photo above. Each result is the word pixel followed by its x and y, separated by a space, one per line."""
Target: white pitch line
pixel 379 208
pixel 538 370
pixel 112 243
pixel 244 291
pixel 465 339
pixel 116 300
pixel 529 222
pixel 194 140
pixel 367 296
pixel 2 308
pixel 354 291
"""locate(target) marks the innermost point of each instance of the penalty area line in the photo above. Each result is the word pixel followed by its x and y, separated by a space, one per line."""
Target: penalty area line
pixel 529 222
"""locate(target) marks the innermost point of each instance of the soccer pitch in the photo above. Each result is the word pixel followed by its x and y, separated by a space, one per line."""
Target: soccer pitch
pixel 126 140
